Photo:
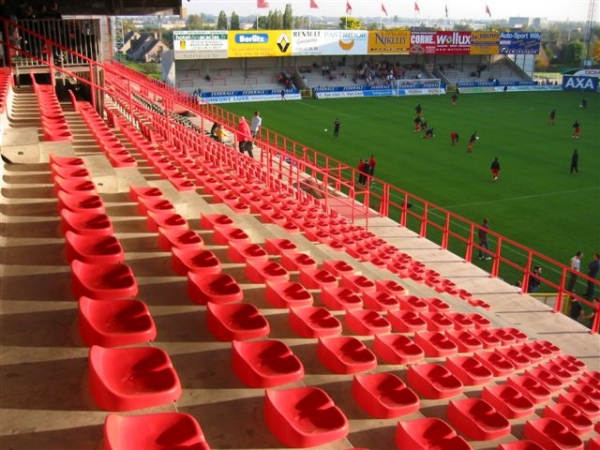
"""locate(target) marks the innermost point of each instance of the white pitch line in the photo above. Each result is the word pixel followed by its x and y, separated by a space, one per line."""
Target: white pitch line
pixel 525 197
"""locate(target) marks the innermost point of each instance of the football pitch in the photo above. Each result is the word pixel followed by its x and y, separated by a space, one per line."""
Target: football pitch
pixel 535 201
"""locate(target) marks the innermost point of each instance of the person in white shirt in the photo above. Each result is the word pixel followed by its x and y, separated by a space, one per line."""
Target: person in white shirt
pixel 575 266
pixel 256 124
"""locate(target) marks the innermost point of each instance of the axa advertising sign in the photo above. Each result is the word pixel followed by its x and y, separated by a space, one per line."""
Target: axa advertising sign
pixel 575 83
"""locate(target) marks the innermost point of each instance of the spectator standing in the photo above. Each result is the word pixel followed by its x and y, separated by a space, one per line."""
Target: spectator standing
pixel 472 140
pixel 360 167
pixel 482 234
pixel 575 162
pixel 283 94
pixel 534 279
pixel 336 128
pixel 590 317
pixel 256 124
pixel 495 168
pixel 372 164
pixel 575 265
pixel 576 129
pixel 593 269
pixel 552 117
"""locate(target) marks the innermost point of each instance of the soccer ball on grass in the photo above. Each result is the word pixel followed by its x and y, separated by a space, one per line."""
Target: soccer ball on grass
pixel 325 130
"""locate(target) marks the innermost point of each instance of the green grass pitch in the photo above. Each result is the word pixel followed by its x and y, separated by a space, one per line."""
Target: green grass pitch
pixel 535 201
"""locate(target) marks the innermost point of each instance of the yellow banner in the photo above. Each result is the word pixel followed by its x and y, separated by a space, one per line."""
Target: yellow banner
pixel 485 43
pixel 259 44
pixel 384 42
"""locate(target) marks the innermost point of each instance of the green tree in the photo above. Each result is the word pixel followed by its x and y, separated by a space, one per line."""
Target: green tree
pixel 350 23
pixel 128 25
pixel 595 53
pixel 263 23
pixel 195 22
pixel 167 37
pixel 301 23
pixel 574 53
pixel 288 18
pixel 222 21
pixel 235 22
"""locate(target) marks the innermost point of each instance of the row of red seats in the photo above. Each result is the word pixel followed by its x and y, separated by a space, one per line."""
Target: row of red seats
pixel 121 379
pixel 6 82
pixel 518 358
pixel 54 124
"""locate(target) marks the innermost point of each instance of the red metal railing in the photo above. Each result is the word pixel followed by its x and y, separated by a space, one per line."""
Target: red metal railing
pixel 288 159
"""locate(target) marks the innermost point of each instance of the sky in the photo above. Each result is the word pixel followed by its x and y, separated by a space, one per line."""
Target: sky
pixel 558 10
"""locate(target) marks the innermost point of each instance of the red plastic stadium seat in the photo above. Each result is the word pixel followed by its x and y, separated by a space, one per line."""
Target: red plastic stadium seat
pixel 519 360
pixel 167 220
pixel 581 401
pixel 487 337
pixel 477 419
pixel 87 224
pixel 470 371
pixel 278 246
pixel 380 301
pixel 210 221
pixel 81 202
pixel 412 303
pixel 93 249
pixel 215 288
pixel 74 186
pixel 594 443
pixel 241 252
pixel 559 372
pixel 461 321
pixel 357 283
pixel 304 417
pixel 340 299
pixel 293 260
pixel 366 323
pixel 530 388
pixel 125 379
pixel 286 294
pixel 137 192
pixel 545 377
pixel 317 279
pixel 435 344
pixel 405 321
pixel 397 349
pixel 338 267
pixel 235 321
pixel 384 395
pixel 428 433
pixel 464 340
pixel 436 305
pixel 345 355
pixel 592 392
pixel 115 323
pixel 263 271
pixel 265 363
pixel 437 321
pixel 66 161
pixel 434 381
pixel 186 260
pixel 571 416
pixel 314 322
pixel 153 432
pixel 552 435
pixel 520 445
pixel 102 281
pixel 508 400
pixel 154 204
pixel 182 239
pixel 498 364
pixel 69 172
pixel 480 321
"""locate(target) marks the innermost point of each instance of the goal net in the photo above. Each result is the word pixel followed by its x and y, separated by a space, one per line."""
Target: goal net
pixel 421 86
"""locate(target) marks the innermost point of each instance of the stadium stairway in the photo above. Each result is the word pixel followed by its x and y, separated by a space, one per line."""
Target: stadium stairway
pixel 45 361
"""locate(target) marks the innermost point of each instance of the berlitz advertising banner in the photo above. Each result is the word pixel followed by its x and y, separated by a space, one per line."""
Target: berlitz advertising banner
pixel 200 44
pixel 518 43
pixel 452 42
pixel 386 42
pixel 484 42
pixel 422 43
pixel 259 44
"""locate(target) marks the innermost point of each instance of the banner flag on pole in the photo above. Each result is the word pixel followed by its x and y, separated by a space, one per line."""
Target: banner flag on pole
pixel 262 4
pixel 313 5
pixel 348 8
pixel 487 11
pixel 383 10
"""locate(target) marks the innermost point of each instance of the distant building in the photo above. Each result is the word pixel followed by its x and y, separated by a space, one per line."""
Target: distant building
pixel 144 47
pixel 539 23
pixel 518 22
